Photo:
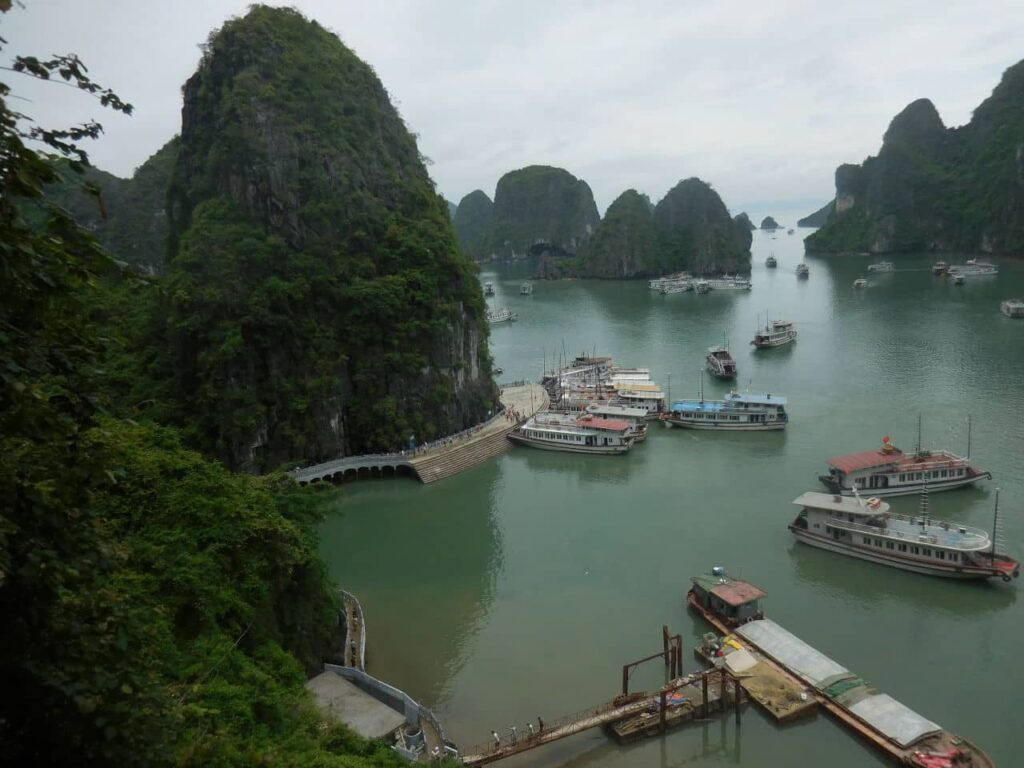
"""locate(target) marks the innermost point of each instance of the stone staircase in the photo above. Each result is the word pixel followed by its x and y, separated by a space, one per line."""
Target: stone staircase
pixel 429 469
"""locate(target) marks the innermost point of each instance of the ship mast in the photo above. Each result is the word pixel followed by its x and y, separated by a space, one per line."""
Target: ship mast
pixel 918 451
pixel 923 518
pixel 995 524
pixel 968 435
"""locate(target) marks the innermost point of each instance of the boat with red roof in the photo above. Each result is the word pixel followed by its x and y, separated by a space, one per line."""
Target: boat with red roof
pixel 888 471
pixel 576 434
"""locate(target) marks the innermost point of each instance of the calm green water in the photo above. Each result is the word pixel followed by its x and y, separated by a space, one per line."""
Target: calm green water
pixel 520 588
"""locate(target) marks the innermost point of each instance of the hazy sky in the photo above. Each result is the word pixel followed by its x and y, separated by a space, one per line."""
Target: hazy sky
pixel 761 99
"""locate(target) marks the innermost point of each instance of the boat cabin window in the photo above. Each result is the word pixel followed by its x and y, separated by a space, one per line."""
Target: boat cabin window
pixel 889 545
pixel 927 552
pixel 866 540
pixel 915 550
pixel 903 547
pixel 954 556
pixel 942 555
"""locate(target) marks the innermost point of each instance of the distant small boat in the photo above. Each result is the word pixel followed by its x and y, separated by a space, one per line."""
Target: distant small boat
pixel 958 279
pixel 790 232
pixel 940 268
pixel 526 289
pixel 720 363
pixel 881 266
pixel 860 282
pixel 802 270
pixel 1012 308
pixel 488 289
pixel 501 315
pixel 771 262
pixel 498 371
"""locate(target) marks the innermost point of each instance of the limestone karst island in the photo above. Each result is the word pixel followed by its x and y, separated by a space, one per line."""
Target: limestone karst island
pixel 546 385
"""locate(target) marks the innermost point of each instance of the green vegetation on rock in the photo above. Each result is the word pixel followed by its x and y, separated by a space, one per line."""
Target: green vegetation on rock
pixel 937 188
pixel 745 221
pixel 317 302
pixel 473 220
pixel 769 223
pixel 624 244
pixel 819 217
pixel 542 210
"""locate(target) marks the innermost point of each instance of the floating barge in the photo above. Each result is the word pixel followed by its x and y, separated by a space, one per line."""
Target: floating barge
pixel 905 736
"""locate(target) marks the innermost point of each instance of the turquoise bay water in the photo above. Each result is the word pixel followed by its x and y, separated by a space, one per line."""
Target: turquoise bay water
pixel 519 588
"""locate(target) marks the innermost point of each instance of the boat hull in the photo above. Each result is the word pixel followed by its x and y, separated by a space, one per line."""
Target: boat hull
pixel 604 450
pixel 907 490
pixel 724 427
pixel 905 564
pixel 774 343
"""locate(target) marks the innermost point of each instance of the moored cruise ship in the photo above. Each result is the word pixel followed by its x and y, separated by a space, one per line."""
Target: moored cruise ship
pixel 584 434
pixel 641 395
pixel 720 363
pixel 973 267
pixel 637 417
pixel 737 412
pixel 888 471
pixel 868 530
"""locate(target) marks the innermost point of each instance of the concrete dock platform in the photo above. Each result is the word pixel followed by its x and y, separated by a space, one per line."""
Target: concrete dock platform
pixel 351 705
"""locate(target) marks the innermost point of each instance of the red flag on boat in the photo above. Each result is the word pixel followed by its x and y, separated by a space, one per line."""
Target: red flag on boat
pixel 885 439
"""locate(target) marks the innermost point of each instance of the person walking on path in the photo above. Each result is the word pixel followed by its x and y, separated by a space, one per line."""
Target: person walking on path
pixel 497 739
pixel 512 728
pixel 540 724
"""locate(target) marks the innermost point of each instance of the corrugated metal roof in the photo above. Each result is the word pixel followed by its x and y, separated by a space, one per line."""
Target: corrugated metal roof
pixel 615 425
pixel 900 723
pixel 807 662
pixel 736 592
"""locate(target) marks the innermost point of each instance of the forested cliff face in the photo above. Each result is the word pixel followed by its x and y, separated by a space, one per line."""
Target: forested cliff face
pixel 318 304
pixel 937 188
pixel 473 219
pixel 744 219
pixel 541 210
pixel 819 217
pixel 129 218
pixel 689 229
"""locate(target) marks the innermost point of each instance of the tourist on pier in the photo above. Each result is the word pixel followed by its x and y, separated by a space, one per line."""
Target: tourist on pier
pixel 513 738
pixel 497 739
pixel 540 725
pixel 530 726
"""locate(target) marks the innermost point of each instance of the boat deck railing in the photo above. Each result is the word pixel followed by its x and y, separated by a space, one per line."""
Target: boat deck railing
pixel 971 538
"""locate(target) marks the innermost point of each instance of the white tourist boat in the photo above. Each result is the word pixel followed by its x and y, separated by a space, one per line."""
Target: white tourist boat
pixel 702 286
pixel 802 270
pixel 675 286
pixel 868 530
pixel 736 413
pixel 637 417
pixel 526 289
pixel 583 434
pixel 860 282
pixel 888 471
pixel 675 277
pixel 774 334
pixel 940 268
pixel 973 267
pixel 771 262
pixel 720 363
pixel 1012 308
pixel 488 289
pixel 881 266
pixel 958 279
pixel 728 283
pixel 501 315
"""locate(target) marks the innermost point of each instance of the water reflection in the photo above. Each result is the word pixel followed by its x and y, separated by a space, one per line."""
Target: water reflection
pixel 424 568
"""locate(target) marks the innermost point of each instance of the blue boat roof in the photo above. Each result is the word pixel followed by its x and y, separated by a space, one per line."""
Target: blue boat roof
pixel 708 406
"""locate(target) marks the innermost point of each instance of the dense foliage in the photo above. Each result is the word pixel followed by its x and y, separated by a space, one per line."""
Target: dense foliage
pixel 317 302
pixel 541 210
pixel 743 219
pixel 933 188
pixel 157 610
pixel 473 219
pixel 769 223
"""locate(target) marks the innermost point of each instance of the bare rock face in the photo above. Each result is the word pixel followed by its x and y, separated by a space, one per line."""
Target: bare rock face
pixel 318 304
pixel 936 188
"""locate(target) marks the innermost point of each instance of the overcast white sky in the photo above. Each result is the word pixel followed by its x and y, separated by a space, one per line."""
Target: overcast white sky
pixel 761 99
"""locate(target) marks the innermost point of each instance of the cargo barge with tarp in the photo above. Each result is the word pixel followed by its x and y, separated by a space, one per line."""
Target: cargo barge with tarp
pixel 733 608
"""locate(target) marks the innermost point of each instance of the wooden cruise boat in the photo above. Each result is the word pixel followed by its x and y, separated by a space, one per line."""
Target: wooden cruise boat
pixel 868 530
pixel 802 270
pixel 736 413
pixel 526 289
pixel 641 395
pixel 860 282
pixel 940 268
pixel 488 289
pixel 775 334
pixel 677 286
pixel 728 283
pixel 888 471
pixel 566 432
pixel 675 277
pixel 882 266
pixel 733 608
pixel 720 363
pixel 502 315
pixel 771 262
pixel 702 286
pixel 1012 308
